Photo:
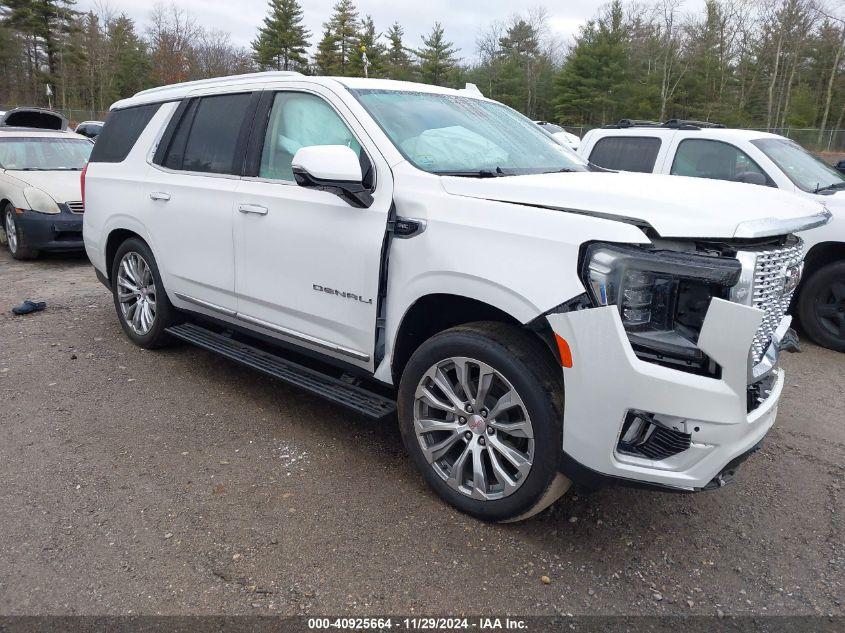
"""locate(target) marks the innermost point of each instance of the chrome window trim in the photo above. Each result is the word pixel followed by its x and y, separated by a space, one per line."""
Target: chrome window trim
pixel 184 172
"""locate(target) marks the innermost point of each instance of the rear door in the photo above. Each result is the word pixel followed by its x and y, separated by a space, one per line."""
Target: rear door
pixel 307 262
pixel 189 193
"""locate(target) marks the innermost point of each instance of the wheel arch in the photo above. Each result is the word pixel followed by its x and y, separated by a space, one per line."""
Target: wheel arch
pixel 115 238
pixel 433 313
pixel 819 256
pixel 822 254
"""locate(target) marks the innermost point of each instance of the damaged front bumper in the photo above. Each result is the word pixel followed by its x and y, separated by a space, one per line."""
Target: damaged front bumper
pixel 704 425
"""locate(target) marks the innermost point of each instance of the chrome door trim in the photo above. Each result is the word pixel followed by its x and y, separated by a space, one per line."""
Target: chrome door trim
pixel 298 336
pixel 206 304
pixel 305 338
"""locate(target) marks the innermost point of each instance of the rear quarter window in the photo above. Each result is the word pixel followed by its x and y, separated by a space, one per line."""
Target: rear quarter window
pixel 626 153
pixel 120 132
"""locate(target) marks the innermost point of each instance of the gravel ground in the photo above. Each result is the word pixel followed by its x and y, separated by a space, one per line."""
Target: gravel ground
pixel 175 482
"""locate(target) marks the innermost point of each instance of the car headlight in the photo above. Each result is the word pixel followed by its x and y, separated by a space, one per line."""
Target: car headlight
pixel 40 201
pixel 662 296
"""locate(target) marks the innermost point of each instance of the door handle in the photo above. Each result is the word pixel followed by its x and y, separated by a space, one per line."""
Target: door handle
pixel 159 195
pixel 256 209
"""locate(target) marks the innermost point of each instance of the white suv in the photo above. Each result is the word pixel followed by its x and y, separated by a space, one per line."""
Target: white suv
pixel 392 245
pixel 705 150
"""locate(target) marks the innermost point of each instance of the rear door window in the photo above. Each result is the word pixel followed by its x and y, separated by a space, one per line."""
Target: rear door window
pixel 211 135
pixel 626 153
pixel 120 132
pixel 703 158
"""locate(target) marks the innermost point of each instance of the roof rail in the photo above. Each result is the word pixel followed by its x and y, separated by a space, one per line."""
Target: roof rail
pixel 685 124
pixel 626 123
pixel 203 82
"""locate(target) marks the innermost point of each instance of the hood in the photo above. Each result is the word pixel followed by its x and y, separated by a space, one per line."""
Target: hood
pixel 63 186
pixel 834 201
pixel 674 206
pixel 34 118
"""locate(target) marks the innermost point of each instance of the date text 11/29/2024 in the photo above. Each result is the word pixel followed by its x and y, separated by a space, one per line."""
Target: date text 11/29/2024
pixel 418 623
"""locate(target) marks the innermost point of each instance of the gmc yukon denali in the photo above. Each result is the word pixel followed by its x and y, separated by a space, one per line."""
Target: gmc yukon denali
pixel 424 253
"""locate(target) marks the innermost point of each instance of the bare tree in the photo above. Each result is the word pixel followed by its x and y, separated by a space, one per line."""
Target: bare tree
pixel 172 34
pixel 837 59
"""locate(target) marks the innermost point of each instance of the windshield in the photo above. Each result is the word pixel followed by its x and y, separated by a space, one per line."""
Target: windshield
pixel 448 134
pixel 44 154
pixel 805 170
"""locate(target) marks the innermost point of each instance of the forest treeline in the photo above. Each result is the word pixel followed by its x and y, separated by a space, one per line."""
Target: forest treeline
pixel 769 63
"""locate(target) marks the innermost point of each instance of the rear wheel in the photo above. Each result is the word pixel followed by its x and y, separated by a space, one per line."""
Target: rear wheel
pixel 821 306
pixel 15 239
pixel 141 303
pixel 480 410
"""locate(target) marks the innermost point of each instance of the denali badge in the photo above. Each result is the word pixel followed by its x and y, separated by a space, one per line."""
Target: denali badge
pixel 340 293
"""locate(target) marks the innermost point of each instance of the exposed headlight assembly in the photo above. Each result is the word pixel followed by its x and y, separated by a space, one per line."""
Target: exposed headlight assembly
pixel 662 296
pixel 40 201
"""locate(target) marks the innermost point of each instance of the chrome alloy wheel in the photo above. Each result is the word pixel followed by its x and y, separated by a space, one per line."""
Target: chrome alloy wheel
pixel 473 428
pixel 11 231
pixel 136 293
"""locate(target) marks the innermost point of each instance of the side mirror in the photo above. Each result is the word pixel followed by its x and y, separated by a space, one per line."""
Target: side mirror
pixel 752 178
pixel 333 168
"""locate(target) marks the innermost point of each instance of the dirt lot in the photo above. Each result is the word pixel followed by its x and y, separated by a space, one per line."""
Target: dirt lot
pixel 174 482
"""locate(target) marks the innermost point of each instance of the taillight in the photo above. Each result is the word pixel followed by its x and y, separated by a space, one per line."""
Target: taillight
pixel 82 184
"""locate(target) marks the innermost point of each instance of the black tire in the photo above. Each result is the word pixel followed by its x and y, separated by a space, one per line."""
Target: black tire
pixel 821 306
pixel 21 250
pixel 521 360
pixel 165 314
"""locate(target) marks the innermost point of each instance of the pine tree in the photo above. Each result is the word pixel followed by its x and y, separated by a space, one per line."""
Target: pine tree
pixel 436 57
pixel 592 85
pixel 130 58
pixel 398 62
pixel 283 41
pixel 519 66
pixel 368 41
pixel 327 58
pixel 337 49
pixel 47 24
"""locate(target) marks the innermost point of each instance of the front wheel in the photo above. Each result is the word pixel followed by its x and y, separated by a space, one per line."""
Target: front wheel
pixel 821 306
pixel 15 239
pixel 481 411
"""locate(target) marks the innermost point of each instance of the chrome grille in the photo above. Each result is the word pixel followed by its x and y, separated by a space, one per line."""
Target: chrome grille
pixel 767 289
pixel 75 206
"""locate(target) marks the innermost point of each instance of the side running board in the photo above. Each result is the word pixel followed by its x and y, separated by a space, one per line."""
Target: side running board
pixel 351 396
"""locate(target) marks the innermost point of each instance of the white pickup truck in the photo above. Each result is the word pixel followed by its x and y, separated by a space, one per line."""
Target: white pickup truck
pixel 391 245
pixel 706 150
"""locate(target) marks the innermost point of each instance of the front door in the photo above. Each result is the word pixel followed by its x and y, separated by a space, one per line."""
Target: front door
pixel 307 262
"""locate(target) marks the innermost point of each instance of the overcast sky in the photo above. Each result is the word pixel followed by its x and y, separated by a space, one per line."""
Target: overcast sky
pixel 462 19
